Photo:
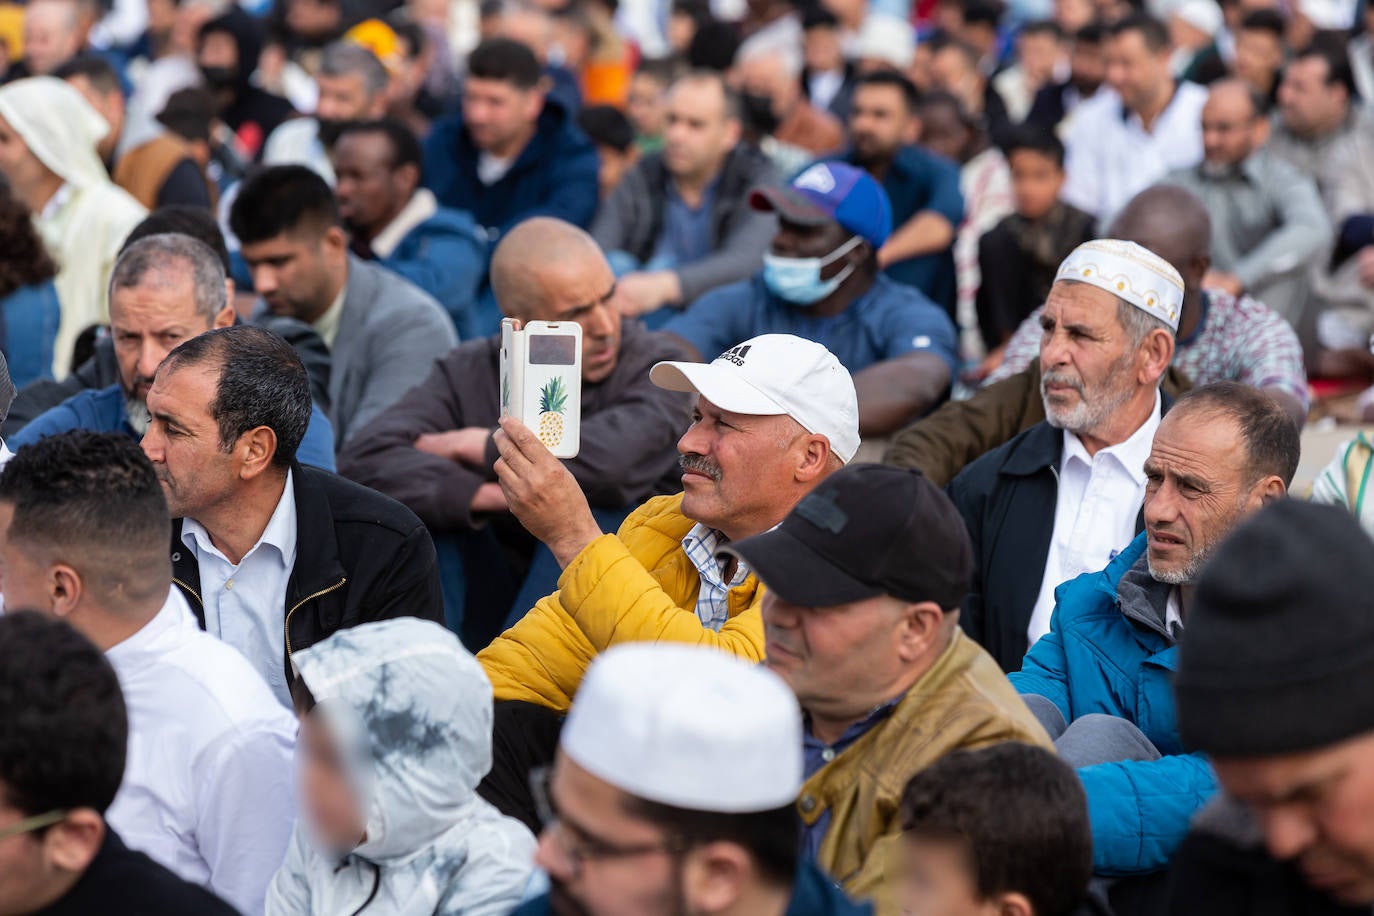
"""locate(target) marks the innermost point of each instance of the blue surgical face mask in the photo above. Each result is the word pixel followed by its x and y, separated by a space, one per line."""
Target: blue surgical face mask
pixel 798 280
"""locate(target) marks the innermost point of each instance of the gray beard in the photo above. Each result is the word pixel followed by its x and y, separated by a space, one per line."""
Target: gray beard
pixel 139 418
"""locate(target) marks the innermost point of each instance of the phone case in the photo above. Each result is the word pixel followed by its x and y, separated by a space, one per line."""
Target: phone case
pixel 541 381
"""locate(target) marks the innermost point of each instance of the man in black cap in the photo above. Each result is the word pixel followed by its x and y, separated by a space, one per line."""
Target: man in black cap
pixel 864 580
pixel 1273 686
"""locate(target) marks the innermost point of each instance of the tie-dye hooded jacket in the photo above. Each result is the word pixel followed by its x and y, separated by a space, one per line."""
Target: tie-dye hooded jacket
pixel 411 711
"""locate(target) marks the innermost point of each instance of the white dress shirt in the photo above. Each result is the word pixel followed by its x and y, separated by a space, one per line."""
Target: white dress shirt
pixel 1095 512
pixel 208 788
pixel 245 604
pixel 1110 157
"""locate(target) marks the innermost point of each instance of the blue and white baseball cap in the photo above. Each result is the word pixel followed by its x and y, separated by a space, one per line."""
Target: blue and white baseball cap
pixel 830 191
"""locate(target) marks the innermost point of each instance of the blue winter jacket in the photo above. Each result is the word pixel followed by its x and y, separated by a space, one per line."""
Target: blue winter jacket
pixel 1108 651
pixel 446 256
pixel 555 175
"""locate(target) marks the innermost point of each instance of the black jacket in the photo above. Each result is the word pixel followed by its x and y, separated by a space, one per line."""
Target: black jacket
pixel 121 882
pixel 1007 499
pixel 360 557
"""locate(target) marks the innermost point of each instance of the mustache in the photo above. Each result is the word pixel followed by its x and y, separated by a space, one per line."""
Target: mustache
pixel 701 464
pixel 1061 378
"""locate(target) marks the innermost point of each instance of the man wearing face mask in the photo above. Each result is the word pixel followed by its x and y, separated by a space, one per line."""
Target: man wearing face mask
pixel 820 281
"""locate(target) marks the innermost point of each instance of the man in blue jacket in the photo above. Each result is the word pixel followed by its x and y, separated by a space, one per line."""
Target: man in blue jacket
pixel 513 151
pixel 391 219
pixel 1099 681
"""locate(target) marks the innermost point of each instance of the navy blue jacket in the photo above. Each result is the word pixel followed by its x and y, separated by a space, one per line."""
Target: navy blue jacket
pixel 446 256
pixel 555 175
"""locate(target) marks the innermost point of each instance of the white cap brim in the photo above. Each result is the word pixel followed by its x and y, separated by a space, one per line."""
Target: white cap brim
pixel 721 386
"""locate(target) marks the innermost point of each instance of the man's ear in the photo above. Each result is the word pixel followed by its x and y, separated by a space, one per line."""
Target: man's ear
pixel 406 179
pixel 715 877
pixel 72 843
pixel 64 589
pixel 815 458
pixel 225 317
pixel 335 241
pixel 1158 349
pixel 256 449
pixel 924 624
pixel 1014 904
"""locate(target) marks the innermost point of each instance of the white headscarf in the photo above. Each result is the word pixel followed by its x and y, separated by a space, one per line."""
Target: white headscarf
pixel 58 126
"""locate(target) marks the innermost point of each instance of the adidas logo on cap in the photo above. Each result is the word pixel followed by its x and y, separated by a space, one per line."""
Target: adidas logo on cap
pixel 736 354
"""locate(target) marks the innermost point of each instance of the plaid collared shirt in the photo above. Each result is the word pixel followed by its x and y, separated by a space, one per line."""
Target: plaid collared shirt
pixel 701 544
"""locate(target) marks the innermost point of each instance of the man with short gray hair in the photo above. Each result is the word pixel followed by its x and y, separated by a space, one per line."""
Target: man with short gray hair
pixel 352 84
pixel 164 289
pixel 1058 499
pixel 770 79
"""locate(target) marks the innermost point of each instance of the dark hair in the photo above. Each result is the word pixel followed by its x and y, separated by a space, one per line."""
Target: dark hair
pixel 1044 27
pixel 94 498
pixel 95 69
pixel 771 837
pixel 938 98
pixel 405 149
pixel 26 261
pixel 1266 20
pixel 63 726
pixel 189 114
pixel 983 12
pixel 734 105
pixel 410 31
pixel 699 11
pixel 1036 139
pixel 911 96
pixel 262 382
pixel 714 46
pixel 1154 33
pixel 1091 34
pixel 818 17
pixel 1338 70
pixel 1021 816
pixel 182 219
pixel 607 126
pixel 663 69
pixel 948 43
pixel 1272 440
pixel 506 60
pixel 281 200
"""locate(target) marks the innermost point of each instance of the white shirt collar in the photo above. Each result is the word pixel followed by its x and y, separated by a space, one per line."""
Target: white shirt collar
pixel 1130 454
pixel 5 453
pixel 280 532
pixel 422 206
pixel 174 614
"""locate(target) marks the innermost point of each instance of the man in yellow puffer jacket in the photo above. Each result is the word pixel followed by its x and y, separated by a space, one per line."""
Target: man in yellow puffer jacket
pixel 775 415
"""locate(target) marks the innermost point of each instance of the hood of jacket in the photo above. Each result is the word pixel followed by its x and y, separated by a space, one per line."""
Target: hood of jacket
pixel 411 710
pixel 240 27
pixel 58 126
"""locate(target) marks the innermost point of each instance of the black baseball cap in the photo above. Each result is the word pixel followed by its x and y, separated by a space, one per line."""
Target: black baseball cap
pixel 865 531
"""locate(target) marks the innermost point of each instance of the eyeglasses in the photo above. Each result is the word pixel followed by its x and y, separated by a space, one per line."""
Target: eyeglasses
pixel 589 847
pixel 30 824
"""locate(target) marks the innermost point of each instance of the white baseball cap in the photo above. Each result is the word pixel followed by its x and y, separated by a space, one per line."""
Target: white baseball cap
pixel 687 726
pixel 773 375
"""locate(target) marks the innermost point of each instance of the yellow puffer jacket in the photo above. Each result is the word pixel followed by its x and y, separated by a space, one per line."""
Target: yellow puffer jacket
pixel 634 586
pixel 963 702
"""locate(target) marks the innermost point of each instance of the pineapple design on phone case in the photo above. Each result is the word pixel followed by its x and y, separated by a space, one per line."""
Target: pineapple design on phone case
pixel 553 400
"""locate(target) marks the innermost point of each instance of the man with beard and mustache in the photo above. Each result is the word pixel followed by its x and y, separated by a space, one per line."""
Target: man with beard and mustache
pixel 774 416
pixel 1099 681
pixel 353 87
pixel 673 792
pixel 1060 498
pixel 923 188
pixel 1268 222
pixel 165 288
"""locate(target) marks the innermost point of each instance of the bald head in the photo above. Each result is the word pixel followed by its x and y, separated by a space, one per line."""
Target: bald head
pixel 1233 125
pixel 1173 223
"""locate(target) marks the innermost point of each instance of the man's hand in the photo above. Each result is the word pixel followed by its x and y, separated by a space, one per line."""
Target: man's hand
pixel 542 493
pixel 1366 261
pixel 1229 283
pixel 648 291
pixel 464 446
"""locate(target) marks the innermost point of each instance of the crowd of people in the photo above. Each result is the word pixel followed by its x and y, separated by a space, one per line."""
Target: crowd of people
pixel 932 546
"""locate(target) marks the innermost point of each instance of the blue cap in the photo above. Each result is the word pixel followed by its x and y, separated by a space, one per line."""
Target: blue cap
pixel 834 191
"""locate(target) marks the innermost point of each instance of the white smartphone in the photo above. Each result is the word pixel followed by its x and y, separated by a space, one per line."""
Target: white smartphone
pixel 541 381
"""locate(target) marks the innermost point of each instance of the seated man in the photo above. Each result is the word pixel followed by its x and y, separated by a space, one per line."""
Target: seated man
pixel 679 218
pixel 61 704
pixel 208 788
pixel 923 188
pixel 309 553
pixel 382 332
pixel 821 281
pixel 772 75
pixel 774 415
pixel 1268 221
pixel 391 219
pixel 1220 338
pixel 165 288
pixel 514 151
pixel 1001 829
pixel 1279 634
pixel 1053 502
pixel 352 86
pixel 433 449
pixel 1099 681
pixel 864 579
pixel 640 763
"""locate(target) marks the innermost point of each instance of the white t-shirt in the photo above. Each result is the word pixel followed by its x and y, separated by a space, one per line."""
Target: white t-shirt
pixel 490 169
